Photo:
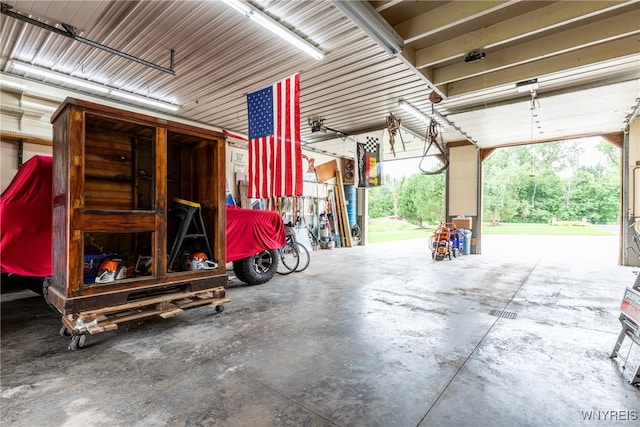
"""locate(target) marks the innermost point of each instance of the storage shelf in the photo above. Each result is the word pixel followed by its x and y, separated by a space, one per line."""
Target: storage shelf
pixel 102 204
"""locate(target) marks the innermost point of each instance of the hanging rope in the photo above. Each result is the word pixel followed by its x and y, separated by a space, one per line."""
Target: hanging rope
pixel 393 126
pixel 432 138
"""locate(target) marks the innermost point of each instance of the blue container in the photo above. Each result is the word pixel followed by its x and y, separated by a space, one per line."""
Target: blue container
pixel 459 241
pixel 467 241
pixel 350 196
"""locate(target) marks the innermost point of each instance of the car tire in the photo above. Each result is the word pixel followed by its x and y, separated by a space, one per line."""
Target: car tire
pixel 257 269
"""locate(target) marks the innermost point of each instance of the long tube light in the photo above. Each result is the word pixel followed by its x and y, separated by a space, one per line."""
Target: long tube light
pixel 370 21
pixel 59 77
pixel 420 115
pixel 275 27
pixel 439 118
pixel 414 111
pixel 96 87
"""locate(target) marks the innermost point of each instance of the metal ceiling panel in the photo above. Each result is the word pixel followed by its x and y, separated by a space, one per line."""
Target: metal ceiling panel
pixel 597 111
pixel 221 55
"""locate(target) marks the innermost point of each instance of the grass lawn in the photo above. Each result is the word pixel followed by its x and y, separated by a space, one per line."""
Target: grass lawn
pixel 545 229
pixel 385 230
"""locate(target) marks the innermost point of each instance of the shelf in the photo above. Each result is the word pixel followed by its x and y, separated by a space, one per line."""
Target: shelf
pixel 103 205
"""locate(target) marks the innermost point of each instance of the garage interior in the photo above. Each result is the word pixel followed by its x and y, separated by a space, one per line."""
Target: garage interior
pixel 372 334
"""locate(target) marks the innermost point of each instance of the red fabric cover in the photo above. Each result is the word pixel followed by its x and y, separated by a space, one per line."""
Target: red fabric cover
pixel 251 231
pixel 26 219
pixel 26 224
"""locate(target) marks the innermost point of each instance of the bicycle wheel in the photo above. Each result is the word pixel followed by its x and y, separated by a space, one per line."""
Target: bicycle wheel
pixel 289 259
pixel 315 243
pixel 303 257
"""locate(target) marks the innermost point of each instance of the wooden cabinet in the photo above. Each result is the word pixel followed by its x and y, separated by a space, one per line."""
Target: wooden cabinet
pixel 116 175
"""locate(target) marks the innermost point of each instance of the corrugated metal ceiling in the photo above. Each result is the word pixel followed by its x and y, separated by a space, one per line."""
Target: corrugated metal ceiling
pixel 221 55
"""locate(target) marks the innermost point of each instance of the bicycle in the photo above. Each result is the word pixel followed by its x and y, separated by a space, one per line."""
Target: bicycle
pixel 315 242
pixel 294 256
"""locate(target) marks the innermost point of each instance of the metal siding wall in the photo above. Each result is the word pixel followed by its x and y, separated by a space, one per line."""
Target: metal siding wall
pixel 463 181
pixel 634 168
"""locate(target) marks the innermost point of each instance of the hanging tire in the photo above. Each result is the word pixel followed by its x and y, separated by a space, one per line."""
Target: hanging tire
pixel 257 269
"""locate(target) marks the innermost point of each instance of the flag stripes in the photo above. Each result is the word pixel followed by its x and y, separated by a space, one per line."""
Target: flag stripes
pixel 275 153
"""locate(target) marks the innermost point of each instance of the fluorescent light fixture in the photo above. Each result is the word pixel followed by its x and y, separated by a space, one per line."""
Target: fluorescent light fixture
pixel 414 111
pixel 96 87
pixel 239 6
pixel 287 35
pixel 442 120
pixel 370 21
pixel 275 27
pixel 527 85
pixel 144 100
pixel 59 77
pixel 424 117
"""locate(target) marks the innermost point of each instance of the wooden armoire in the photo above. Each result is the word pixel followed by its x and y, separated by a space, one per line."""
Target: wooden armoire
pixel 116 176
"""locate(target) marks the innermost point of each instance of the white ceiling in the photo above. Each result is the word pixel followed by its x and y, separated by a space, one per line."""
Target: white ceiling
pixel 585 55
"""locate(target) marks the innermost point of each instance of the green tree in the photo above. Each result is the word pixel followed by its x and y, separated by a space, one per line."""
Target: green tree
pixel 504 174
pixel 610 155
pixel 596 196
pixel 540 182
pixel 421 198
pixel 381 201
pixel 544 193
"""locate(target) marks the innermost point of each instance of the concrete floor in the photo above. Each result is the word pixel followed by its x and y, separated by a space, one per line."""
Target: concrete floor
pixel 368 336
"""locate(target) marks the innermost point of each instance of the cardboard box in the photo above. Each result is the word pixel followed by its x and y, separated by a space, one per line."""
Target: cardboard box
pixel 463 223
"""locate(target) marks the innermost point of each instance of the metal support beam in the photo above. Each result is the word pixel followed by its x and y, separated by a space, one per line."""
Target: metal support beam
pixel 69 31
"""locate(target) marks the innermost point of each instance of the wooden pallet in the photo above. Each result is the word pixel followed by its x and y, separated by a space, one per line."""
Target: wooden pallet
pixel 165 306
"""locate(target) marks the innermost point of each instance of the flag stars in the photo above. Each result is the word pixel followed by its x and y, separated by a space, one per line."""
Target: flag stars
pixel 260 106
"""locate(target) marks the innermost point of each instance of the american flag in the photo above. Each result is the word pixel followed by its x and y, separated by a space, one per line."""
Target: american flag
pixel 275 154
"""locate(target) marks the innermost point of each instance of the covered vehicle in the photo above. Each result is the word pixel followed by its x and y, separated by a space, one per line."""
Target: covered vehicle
pixel 253 237
pixel 253 240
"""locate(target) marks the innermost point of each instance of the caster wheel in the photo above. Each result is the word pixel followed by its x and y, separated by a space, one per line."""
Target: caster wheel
pixel 64 332
pixel 77 342
pixel 219 308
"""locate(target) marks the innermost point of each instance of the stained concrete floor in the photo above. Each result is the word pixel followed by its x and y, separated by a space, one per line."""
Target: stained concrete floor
pixel 368 336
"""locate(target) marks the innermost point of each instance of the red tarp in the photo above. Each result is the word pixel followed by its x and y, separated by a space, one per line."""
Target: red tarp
pixel 26 218
pixel 252 231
